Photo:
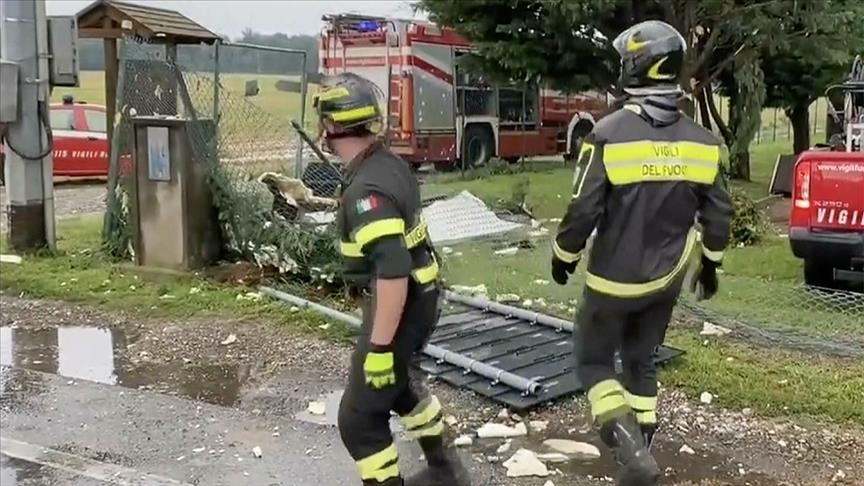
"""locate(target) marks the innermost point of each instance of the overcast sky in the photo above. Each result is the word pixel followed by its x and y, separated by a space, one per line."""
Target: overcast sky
pixel 265 16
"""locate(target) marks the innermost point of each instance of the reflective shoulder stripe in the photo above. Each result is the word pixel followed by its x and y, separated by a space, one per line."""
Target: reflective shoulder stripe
pixel 653 161
pixel 377 229
pixel 580 172
pixel 621 289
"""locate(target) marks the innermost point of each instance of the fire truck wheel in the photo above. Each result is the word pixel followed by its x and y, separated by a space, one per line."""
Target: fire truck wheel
pixel 478 146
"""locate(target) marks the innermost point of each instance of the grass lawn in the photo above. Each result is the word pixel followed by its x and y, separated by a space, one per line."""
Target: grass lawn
pixel 771 382
pixel 283 106
pixel 79 272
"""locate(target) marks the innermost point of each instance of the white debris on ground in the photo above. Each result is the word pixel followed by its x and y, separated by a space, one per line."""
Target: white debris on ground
pixel 685 449
pixel 504 447
pixel 13 259
pixel 474 221
pixel 504 414
pixel 231 339
pixel 475 291
pixel 507 251
pixel 500 431
pixel 706 398
pixel 538 425
pixel 574 449
pixel 317 408
pixel 525 463
pixel 709 329
pixel 508 298
pixel 256 451
pixel 463 441
pixel 553 457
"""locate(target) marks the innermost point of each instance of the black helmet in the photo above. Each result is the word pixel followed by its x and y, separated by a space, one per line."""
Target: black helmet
pixel 652 54
pixel 350 103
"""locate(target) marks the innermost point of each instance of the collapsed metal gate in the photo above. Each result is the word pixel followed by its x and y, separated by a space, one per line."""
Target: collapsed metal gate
pixel 512 355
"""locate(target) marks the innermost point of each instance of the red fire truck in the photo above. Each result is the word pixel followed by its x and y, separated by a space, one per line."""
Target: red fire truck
pixel 438 112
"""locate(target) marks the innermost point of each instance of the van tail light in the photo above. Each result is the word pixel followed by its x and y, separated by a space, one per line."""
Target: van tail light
pixel 801 195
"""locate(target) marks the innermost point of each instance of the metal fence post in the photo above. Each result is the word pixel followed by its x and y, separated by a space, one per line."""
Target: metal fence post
pixel 298 164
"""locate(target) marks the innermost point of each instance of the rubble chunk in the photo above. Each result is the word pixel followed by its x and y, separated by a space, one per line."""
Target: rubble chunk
pixel 525 463
pixel 498 431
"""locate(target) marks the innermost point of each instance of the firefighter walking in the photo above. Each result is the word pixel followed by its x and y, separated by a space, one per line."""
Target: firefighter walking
pixel 644 176
pixel 391 263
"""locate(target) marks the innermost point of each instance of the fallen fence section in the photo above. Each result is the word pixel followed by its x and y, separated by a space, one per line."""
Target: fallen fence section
pixel 440 355
pixel 516 357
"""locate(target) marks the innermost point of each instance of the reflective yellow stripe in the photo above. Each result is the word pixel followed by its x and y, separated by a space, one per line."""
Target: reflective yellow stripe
pixel 432 430
pixel 641 403
pixel 423 413
pixel 350 249
pixel 417 235
pixel 607 400
pixel 413 239
pixel 652 161
pixel 427 274
pixel 354 114
pixel 331 94
pixel 714 256
pixel 377 229
pixel 620 289
pixel 380 466
pixel 564 255
pixel 649 417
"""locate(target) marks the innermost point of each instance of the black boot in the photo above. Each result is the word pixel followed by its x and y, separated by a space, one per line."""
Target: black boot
pixel 444 468
pixel 648 431
pixel 390 482
pixel 636 465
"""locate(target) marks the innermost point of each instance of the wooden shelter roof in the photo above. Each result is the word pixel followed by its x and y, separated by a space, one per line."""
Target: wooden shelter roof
pixel 103 19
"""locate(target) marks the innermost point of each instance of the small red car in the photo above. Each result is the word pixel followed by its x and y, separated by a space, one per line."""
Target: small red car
pixel 80 139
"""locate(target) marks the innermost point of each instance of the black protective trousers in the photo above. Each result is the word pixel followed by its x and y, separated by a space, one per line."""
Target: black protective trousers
pixel 635 327
pixel 364 412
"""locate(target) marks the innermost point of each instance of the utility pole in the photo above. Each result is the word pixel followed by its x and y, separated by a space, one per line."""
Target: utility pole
pixel 29 164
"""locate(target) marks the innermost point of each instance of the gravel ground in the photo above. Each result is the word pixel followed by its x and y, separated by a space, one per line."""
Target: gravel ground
pixel 729 447
pixel 69 200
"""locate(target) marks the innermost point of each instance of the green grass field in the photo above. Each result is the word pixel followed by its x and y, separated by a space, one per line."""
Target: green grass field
pixel 282 106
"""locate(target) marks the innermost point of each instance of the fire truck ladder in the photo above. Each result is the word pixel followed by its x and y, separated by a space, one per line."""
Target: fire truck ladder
pixel 514 356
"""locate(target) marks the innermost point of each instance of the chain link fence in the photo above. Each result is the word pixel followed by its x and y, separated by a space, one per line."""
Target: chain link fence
pixel 241 99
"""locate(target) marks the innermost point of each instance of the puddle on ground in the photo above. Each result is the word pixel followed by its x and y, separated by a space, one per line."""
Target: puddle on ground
pixel 330 404
pixel 15 472
pixel 677 466
pixel 92 353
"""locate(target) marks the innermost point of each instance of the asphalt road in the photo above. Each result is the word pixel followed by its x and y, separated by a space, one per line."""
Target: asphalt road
pixel 64 432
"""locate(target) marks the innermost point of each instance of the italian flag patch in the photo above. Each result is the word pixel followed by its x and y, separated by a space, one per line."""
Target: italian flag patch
pixel 368 203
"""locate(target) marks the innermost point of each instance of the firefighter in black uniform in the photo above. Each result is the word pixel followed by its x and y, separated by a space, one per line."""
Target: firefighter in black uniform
pixel 646 177
pixel 390 260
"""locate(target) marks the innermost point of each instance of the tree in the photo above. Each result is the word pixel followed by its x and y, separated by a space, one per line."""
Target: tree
pixel 567 42
pixel 799 73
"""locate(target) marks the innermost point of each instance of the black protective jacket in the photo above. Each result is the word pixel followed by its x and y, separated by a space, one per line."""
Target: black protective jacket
pixel 382 232
pixel 644 184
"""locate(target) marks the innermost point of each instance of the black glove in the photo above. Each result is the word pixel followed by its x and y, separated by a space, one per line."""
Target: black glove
pixel 561 270
pixel 705 284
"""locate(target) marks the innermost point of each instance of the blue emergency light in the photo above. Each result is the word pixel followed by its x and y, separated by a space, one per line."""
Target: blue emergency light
pixel 368 26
